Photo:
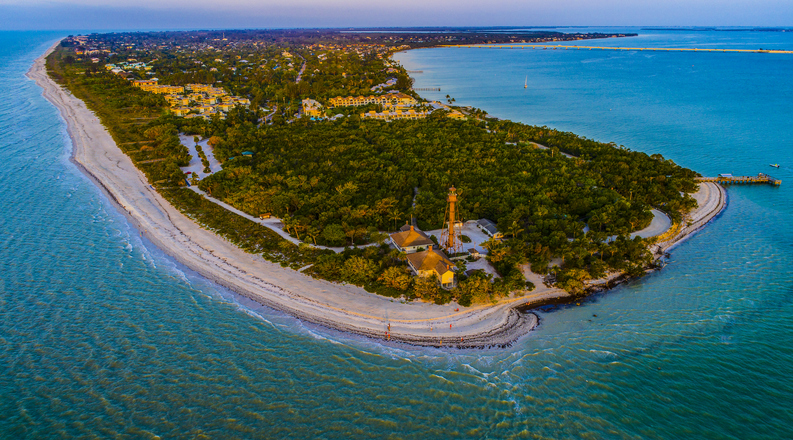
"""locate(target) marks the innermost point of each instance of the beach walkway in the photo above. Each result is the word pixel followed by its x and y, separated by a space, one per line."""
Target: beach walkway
pixel 660 224
pixel 273 223
pixel 196 167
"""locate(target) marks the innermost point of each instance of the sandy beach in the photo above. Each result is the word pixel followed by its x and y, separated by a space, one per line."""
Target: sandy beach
pixel 342 307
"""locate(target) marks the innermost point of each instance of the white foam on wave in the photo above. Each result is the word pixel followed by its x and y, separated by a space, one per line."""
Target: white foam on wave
pixel 260 317
pixel 604 354
pixel 482 375
pixel 442 378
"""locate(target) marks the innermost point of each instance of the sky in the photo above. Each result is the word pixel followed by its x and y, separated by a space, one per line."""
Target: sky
pixel 216 14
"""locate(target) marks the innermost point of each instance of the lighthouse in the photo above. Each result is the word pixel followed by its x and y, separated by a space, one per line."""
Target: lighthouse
pixel 449 239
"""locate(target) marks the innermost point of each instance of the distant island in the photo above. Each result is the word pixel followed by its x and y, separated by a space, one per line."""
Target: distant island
pixel 312 150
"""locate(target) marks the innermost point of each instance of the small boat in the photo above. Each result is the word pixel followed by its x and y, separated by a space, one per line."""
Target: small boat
pixel 775 165
pixel 526 84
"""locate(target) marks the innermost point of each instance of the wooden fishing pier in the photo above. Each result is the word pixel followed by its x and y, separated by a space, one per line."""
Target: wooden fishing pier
pixel 729 179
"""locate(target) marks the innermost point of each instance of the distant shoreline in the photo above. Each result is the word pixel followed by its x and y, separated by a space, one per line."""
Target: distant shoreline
pixel 340 307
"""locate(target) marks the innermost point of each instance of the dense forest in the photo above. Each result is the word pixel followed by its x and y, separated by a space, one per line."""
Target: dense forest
pixel 338 183
pixel 348 181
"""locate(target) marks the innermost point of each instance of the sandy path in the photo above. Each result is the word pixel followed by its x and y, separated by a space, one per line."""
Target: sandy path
pixel 274 223
pixel 660 224
pixel 711 200
pixel 342 307
pixel 196 166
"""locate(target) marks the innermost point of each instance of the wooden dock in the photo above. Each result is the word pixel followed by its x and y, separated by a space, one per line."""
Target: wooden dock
pixel 729 179
pixel 651 49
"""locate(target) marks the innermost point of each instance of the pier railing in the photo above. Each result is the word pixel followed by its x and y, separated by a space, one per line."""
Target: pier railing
pixel 728 179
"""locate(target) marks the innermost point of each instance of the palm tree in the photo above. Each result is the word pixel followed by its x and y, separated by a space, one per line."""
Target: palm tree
pixel 395 215
pixel 514 229
pixel 313 233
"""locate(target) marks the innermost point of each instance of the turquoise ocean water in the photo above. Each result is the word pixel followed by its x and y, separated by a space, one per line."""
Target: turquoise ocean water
pixel 102 336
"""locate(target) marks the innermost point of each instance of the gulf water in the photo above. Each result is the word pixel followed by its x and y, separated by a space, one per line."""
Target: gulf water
pixel 103 336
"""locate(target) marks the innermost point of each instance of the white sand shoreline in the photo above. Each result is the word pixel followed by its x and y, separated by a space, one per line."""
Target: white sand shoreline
pixel 340 307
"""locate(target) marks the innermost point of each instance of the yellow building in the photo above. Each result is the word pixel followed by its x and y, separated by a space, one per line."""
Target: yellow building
pixel 401 99
pixel 410 240
pixel 394 115
pixel 168 90
pixel 245 102
pixel 432 263
pixel 180 111
pixel 162 89
pixel 455 115
pixel 390 99
pixel 144 82
pixel 312 108
pixel 208 101
pixel 199 87
pixel 214 91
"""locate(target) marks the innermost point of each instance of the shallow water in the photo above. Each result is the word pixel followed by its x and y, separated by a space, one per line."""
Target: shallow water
pixel 103 336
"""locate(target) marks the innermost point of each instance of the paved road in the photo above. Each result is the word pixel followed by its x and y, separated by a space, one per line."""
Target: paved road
pixel 660 224
pixel 195 164
pixel 273 223
pixel 302 68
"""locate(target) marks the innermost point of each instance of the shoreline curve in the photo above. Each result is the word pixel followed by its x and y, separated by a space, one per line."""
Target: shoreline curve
pixel 335 306
pixel 339 307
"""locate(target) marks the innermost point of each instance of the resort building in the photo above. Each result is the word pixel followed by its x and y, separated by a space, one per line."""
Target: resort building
pixel 410 240
pixel 204 99
pixel 140 82
pixel 456 114
pixel 180 111
pixel 433 262
pixel 177 100
pixel 396 114
pixel 312 108
pixel 215 92
pixel 158 89
pixel 203 88
pixel 389 99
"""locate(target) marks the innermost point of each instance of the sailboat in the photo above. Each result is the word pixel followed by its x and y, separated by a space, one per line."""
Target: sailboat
pixel 526 84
